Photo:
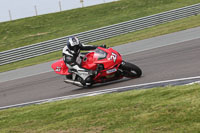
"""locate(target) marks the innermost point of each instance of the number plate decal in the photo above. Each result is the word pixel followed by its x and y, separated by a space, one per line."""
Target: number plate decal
pixel 113 57
pixel 111 71
pixel 58 69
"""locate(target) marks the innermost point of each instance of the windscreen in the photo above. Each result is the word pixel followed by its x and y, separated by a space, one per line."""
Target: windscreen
pixel 101 54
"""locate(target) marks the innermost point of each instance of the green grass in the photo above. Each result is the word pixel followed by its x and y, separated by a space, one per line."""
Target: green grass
pixel 168 109
pixel 45 27
pixel 178 25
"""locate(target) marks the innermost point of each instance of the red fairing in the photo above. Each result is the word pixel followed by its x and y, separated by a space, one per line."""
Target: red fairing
pixel 88 61
pixel 109 58
pixel 60 68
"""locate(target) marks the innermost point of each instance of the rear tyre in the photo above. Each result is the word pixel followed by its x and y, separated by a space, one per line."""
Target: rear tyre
pixel 130 70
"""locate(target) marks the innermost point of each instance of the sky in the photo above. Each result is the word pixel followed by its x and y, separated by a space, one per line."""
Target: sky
pixel 26 8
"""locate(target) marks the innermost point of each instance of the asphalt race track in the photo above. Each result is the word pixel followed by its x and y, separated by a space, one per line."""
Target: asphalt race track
pixel 180 60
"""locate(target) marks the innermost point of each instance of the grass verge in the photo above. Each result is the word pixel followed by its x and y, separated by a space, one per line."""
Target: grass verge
pixel 45 27
pixel 168 109
pixel 162 29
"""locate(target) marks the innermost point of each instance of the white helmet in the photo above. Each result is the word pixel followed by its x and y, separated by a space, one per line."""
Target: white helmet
pixel 73 44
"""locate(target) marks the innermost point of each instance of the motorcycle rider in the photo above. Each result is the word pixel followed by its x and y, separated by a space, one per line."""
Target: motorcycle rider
pixel 71 52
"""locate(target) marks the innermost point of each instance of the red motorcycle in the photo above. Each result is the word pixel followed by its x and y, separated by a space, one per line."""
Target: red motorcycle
pixel 107 63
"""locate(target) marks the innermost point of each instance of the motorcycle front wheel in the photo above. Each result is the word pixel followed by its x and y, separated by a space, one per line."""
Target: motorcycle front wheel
pixel 130 70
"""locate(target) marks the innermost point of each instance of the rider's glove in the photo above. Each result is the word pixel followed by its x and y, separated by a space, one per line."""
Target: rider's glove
pixel 103 46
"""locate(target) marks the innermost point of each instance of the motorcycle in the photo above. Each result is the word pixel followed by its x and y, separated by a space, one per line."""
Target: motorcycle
pixel 106 63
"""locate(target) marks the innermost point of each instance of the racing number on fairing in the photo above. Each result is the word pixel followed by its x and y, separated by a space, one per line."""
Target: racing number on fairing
pixel 58 69
pixel 113 57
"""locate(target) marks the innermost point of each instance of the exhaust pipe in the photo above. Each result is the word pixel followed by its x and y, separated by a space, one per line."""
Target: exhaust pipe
pixel 73 82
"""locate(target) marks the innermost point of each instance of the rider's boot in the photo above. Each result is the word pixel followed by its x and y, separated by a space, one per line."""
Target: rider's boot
pixel 88 81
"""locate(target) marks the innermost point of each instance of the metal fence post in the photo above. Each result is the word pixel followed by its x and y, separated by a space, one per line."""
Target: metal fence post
pixel 60 7
pixel 36 12
pixel 10 15
pixel 82 3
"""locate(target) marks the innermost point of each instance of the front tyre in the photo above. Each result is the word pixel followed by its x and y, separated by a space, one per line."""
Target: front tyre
pixel 130 70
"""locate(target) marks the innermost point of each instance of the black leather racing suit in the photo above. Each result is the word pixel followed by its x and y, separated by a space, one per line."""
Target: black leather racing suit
pixel 70 57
